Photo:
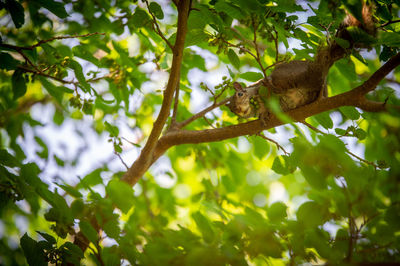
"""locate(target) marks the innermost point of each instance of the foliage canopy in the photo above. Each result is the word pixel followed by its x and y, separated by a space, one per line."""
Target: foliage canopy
pixel 153 78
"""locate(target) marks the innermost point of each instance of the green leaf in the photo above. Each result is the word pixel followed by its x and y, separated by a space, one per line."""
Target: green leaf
pixel 233 58
pixel 7 62
pixel 44 153
pixel 79 75
pixel 77 208
pixel 156 9
pixel 342 42
pixel 360 133
pixel 350 112
pixel 310 214
pixel 391 39
pixel 18 83
pixel 112 229
pixel 261 147
pixel 204 226
pixel 140 18
pixel 277 211
pixel 360 36
pixel 54 7
pixel 7 159
pixel 73 250
pixel 34 254
pixel 251 76
pixel 71 190
pixel 121 194
pixel 49 238
pixel 195 37
pixel 88 231
pixel 91 179
pixel 52 89
pixel 29 172
pixel 113 130
pixel 340 131
pixel 17 12
pixel 324 119
pixel 229 9
pixel 282 165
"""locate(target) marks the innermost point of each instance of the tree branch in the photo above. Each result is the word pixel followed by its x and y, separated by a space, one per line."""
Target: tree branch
pixel 202 113
pixel 377 77
pixel 144 160
pixel 354 97
pixel 157 29
pixel 19 48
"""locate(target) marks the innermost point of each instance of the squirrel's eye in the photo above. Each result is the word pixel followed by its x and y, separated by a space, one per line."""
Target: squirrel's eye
pixel 240 94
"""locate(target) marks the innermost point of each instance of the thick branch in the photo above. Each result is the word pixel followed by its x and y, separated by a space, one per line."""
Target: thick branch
pixel 354 97
pixel 144 161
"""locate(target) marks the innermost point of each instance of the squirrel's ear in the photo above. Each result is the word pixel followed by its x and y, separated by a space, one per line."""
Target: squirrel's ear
pixel 237 86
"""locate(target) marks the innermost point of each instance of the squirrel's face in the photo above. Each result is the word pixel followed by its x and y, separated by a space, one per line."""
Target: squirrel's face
pixel 242 103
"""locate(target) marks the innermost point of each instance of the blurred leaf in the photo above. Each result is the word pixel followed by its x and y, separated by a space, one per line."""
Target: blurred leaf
pixel 34 254
pixel 251 76
pixel 310 214
pixel 204 226
pixel 91 179
pixel 17 12
pixel 389 38
pixel 282 165
pixel 54 7
pixel 350 111
pixel 7 62
pixel 52 89
pixel 49 238
pixel 18 83
pixel 261 147
pixel 8 159
pixel 88 231
pixel 277 212
pixel 360 133
pixel 79 74
pixel 140 18
pixel 232 10
pixel 324 119
pixel 156 10
pixel 70 190
pixel 121 194
pixel 234 59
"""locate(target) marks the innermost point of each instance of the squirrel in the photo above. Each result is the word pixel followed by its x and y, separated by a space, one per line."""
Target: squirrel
pixel 298 83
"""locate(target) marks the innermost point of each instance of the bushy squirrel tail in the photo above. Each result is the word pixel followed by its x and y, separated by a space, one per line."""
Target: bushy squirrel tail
pixel 353 33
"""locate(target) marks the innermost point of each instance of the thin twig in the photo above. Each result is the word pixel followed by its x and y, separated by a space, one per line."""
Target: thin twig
pixel 157 29
pixel 208 122
pixel 273 141
pixel 202 113
pixel 276 46
pixel 389 22
pixel 122 161
pixel 37 72
pixel 258 57
pixel 313 128
pixel 361 159
pixel 18 48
